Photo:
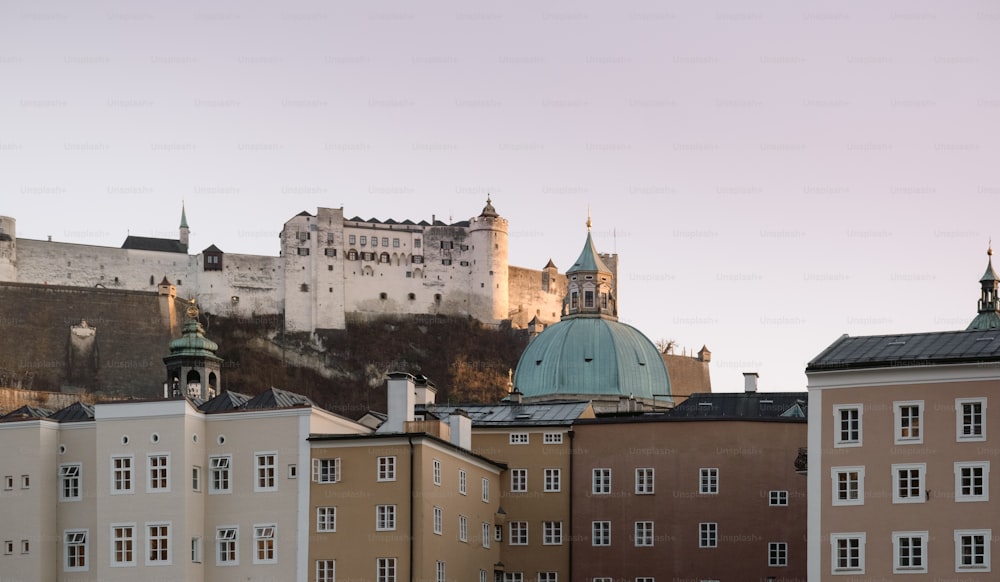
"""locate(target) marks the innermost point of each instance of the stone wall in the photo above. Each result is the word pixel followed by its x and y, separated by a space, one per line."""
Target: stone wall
pixel 535 293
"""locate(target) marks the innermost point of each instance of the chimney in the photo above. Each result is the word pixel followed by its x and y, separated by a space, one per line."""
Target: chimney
pixel 401 398
pixel 515 396
pixel 750 382
pixel 460 426
pixel 425 391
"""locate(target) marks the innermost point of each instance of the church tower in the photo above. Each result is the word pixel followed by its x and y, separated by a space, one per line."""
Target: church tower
pixel 489 276
pixel 989 303
pixel 193 368
pixel 184 230
pixel 590 285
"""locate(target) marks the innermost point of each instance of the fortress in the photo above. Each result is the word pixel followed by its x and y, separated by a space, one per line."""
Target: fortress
pixel 330 270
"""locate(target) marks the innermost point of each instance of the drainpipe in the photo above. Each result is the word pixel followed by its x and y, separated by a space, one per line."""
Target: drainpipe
pixel 571 493
pixel 410 440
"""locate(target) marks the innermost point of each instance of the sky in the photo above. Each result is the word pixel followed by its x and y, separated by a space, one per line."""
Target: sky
pixel 772 175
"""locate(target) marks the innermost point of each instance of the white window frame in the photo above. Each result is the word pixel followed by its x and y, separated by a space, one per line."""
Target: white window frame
pixel 777 554
pixel 462 482
pixel 519 438
pixel 518 534
pixel 196 478
pixel 708 534
pixel 645 480
pixel 153 482
pixel 552 533
pixel 385 570
pixel 835 567
pixel 600 533
pixel 386 469
pixel 518 480
pixel 439 568
pixel 385 517
pixel 130 540
pixel 71 482
pixel 644 536
pixel 836 472
pixel 76 538
pixel 226 537
pixel 436 472
pixel 921 469
pixel 168 542
pixel 463 528
pixel 487 534
pixel 600 481
pixel 486 490
pixel 960 554
pixel 777 498
pixel 553 577
pixel 196 550
pixel 438 524
pixel 326 518
pixel 124 471
pixel 216 466
pixel 897 411
pixel 552 438
pixel 838 432
pixel 264 471
pixel 262 532
pixel 553 480
pixel 983 466
pixel 960 435
pixel 326 470
pixel 896 552
pixel 708 481
pixel 326 570
pixel 8 482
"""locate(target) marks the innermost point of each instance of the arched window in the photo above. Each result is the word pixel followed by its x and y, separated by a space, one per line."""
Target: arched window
pixel 383 258
pixel 352 255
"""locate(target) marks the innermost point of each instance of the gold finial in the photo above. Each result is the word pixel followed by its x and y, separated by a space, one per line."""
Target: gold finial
pixel 588 219
pixel 192 310
pixel 510 380
pixel 989 250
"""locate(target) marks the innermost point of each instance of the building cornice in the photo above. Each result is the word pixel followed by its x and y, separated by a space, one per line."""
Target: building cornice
pixel 898 375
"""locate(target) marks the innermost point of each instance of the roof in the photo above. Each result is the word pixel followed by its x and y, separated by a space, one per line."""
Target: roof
pixel 985 320
pixel 224 402
pixel 193 343
pixel 511 414
pixel 276 398
pixel 75 412
pixel 184 218
pixel 145 243
pixel 915 349
pixel 212 249
pixel 26 412
pixel 788 406
pixel 583 357
pixel 396 435
pixel 589 260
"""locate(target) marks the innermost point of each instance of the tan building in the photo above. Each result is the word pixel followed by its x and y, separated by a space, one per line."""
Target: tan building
pixel 900 449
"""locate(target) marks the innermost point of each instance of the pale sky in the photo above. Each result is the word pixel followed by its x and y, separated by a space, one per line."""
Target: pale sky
pixel 772 175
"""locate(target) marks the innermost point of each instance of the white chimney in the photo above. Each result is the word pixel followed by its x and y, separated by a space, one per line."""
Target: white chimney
pixel 460 426
pixel 425 390
pixel 401 398
pixel 750 382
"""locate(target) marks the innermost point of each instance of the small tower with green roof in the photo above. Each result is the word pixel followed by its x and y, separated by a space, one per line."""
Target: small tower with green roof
pixel 590 285
pixel 193 368
pixel 989 304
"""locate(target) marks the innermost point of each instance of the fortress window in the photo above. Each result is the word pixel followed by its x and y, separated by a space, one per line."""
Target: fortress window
pixel 447 244
pixel 304 287
pixel 411 296
pixel 445 261
pixel 383 258
pixel 604 300
pixel 329 238
pixel 383 296
pixel 352 255
pixel 364 240
pixel 588 298
pixel 329 267
pixel 416 243
pixel 151 280
pixel 303 236
pixel 409 274
pixel 437 298
pixel 464 263
pixel 351 239
pixel 303 252
pixel 395 243
pixel 574 300
pixel 374 241
pixel 464 247
pixel 179 282
pixel 385 241
pixel 331 252
pixel 368 256
pixel 418 259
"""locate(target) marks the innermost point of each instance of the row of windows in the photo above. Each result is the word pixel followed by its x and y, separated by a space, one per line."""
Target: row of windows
pixel 909 551
pixel 908 422
pixel 463 528
pixel 524 438
pixel 353 239
pixel 328 471
pixel 708 537
pixel 708 482
pixel 972 483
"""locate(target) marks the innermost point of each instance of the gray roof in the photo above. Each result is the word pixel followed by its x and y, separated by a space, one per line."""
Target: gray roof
pixel 276 398
pixel 145 243
pixel 511 414
pixel 26 412
pixel 224 402
pixel 786 406
pixel 914 349
pixel 75 412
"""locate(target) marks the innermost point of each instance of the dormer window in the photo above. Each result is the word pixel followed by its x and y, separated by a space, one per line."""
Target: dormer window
pixel 574 300
pixel 588 298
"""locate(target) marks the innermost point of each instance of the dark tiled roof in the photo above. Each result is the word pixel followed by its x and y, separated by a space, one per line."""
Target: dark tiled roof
pixel 304 213
pixel 790 406
pixel 224 402
pixel 145 243
pixel 212 249
pixel 26 412
pixel 75 412
pixel 276 398
pixel 509 414
pixel 915 349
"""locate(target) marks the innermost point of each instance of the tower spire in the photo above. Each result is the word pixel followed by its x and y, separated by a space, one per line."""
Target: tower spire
pixel 989 297
pixel 184 230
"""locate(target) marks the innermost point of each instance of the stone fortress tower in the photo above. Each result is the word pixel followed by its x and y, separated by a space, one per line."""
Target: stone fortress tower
pixel 8 249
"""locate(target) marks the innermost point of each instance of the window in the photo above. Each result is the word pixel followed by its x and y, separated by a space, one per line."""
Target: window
pixel 8 482
pixel 265 550
pixel 158 473
pixel 374 241
pixel 643 534
pixel 461 481
pixel 552 533
pixel 588 298
pixel 293 471
pixel 326 570
pixel 123 544
pixel 848 551
pixel 385 517
pixel 518 533
pixel 25 481
pixel 552 438
pixel 777 554
pixel 908 483
pixel 708 481
pixel 385 569
pixel 196 478
pixel 972 481
pixel 121 475
pixel 486 490
pixel 550 577
pixel 351 239
pixel 416 243
pixel 352 255
pixel 326 519
pixel 330 253
pixel 446 262
pixel 385 241
pixel 438 521
pixel 518 438
pixel 219 478
pixel 779 498
pixel 387 468
pixel 909 418
pixel 513 577
pixel 498 533
pixel 226 546
pixel 651 579
pixel 847 427
pixel 518 480
pixel 157 543
pixel 8 547
pixel 440 571
pixel 486 535
pixel 848 485
pixel 265 469
pixel 437 472
pixel 75 544
pixel 574 300
pixel 972 550
pixel 395 243
pixel 196 550
pixel 969 415
pixel 553 478
pixel 463 528
pixel 25 547
pixel 644 481
pixel 909 551
pixel 326 470
pixel 600 533
pixel 447 244
pixel 69 482
pixel 364 240
pixel 601 482
pixel 708 535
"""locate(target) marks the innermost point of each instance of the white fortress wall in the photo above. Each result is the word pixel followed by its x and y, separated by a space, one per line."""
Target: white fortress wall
pixel 247 285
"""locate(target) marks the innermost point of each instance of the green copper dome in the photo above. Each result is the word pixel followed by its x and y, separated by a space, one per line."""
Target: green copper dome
pixel 193 343
pixel 592 357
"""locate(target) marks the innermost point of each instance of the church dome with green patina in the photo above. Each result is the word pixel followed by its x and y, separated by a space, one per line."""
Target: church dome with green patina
pixel 589 354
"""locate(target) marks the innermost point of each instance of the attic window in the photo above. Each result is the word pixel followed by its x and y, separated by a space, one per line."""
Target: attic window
pixel 704 404
pixel 984 339
pixel 898 343
pixel 538 362
pixel 522 416
pixel 767 402
pixel 588 359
